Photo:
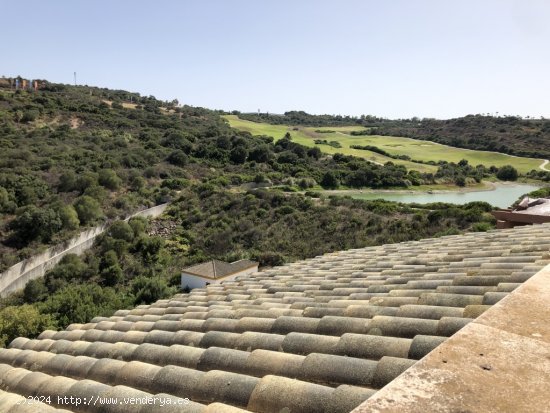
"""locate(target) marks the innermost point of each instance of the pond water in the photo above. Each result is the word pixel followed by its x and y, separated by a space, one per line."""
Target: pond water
pixel 502 196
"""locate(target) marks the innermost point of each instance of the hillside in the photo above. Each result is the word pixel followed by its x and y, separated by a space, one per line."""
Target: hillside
pixel 77 156
pixel 506 134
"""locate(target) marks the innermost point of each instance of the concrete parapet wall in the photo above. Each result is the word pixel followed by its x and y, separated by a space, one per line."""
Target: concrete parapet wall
pixel 15 277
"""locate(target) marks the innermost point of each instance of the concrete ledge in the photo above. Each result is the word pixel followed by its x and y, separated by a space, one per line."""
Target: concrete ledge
pixel 18 275
pixel 498 363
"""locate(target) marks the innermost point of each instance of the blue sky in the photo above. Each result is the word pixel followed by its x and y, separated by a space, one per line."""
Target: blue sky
pixel 392 58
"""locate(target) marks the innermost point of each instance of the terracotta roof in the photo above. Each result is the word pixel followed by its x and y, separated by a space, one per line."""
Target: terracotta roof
pixel 319 335
pixel 218 269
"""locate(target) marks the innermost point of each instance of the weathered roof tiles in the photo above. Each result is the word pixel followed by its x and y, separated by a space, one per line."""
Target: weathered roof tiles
pixel 319 335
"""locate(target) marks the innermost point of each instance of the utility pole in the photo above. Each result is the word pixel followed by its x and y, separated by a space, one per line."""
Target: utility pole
pixel 75 78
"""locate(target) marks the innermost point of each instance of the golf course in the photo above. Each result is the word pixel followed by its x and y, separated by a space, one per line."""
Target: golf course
pixel 416 149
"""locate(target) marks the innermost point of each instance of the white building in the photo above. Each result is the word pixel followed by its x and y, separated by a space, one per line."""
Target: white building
pixel 215 271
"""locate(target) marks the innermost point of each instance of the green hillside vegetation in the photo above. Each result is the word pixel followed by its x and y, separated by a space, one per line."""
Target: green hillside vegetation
pixel 390 148
pixel 132 264
pixel 506 134
pixel 73 157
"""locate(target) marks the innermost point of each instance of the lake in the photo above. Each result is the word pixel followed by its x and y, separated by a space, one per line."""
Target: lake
pixel 502 196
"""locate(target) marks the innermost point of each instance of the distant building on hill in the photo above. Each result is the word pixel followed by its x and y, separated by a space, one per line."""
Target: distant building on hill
pixel 215 271
pixel 18 83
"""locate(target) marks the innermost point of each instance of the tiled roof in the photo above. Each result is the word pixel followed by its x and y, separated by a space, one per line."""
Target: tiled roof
pixel 218 269
pixel 320 335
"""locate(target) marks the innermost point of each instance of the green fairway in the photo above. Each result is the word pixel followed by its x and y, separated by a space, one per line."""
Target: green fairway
pixel 307 136
pixel 416 149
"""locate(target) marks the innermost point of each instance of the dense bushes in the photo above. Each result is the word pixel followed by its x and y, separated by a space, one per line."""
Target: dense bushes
pixel 127 266
pixel 93 162
pixel 108 160
pixel 273 228
pixel 22 320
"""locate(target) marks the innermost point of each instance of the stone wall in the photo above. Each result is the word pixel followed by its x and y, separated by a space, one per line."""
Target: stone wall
pixel 15 277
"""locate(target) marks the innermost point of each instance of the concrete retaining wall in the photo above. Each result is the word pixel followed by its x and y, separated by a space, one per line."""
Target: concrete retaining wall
pixel 15 277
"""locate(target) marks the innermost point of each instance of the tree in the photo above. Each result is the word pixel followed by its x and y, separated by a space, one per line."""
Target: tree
pixel 507 173
pixel 121 230
pixel 109 179
pixel 88 209
pixel 238 154
pixel 314 152
pixel 260 154
pixel 34 223
pixel 24 320
pixel 110 269
pixel 147 290
pixel 178 158
pixel 81 302
pixel 330 180
pixel 69 217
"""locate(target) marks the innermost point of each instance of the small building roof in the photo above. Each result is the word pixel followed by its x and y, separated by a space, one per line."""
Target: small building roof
pixel 215 269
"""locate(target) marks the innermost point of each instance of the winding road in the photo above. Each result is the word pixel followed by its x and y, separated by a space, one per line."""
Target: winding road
pixel 543 165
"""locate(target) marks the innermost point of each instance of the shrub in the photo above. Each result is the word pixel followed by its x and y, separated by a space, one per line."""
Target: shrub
pixel 147 290
pixel 270 259
pixel 238 155
pixel 80 303
pixel 330 180
pixel 121 230
pixel 24 320
pixel 69 217
pixel 178 158
pixel 34 223
pixel 88 209
pixel 109 179
pixel 507 173
pixel 29 116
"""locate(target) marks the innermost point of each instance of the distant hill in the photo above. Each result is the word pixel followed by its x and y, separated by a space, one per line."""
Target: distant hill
pixel 75 156
pixel 507 134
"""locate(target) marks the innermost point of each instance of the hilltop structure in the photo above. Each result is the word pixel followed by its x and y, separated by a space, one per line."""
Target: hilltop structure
pixel 320 335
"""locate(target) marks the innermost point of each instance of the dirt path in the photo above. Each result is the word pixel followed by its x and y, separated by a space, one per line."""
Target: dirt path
pixel 543 165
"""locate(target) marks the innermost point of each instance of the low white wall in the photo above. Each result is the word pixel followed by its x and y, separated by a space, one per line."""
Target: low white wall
pixel 15 277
